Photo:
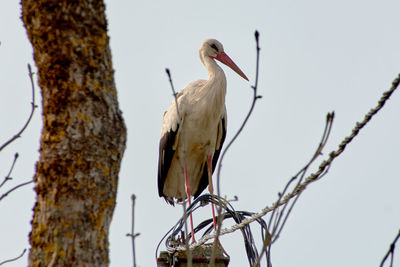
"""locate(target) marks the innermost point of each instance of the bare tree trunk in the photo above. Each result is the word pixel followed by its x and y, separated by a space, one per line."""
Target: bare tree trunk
pixel 83 137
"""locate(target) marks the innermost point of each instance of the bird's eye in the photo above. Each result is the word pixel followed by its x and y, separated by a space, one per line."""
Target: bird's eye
pixel 214 47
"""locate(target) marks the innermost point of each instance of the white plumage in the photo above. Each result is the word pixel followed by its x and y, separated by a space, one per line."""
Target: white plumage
pixel 190 141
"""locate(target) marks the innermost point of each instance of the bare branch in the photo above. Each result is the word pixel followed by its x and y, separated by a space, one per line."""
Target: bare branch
pixel 301 174
pixel 391 251
pixel 7 178
pixel 14 188
pixel 132 234
pixel 276 224
pixel 255 98
pixel 323 167
pixel 14 259
pixel 175 244
pixel 33 105
pixel 175 94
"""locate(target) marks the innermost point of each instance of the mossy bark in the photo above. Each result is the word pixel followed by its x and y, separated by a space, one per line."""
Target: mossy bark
pixel 83 137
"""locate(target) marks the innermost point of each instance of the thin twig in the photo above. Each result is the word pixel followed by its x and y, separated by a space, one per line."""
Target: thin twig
pixel 255 98
pixel 14 259
pixel 175 94
pixel 33 105
pixel 14 188
pixel 132 234
pixel 277 227
pixel 300 174
pixel 7 178
pixel 391 251
pixel 315 176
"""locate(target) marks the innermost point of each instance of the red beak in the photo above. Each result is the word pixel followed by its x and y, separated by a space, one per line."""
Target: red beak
pixel 224 58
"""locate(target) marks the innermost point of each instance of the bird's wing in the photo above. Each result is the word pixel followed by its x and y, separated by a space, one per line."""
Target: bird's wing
pixel 169 133
pixel 220 139
pixel 218 147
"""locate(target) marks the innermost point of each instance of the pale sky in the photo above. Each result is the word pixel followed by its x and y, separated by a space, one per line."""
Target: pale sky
pixel 316 57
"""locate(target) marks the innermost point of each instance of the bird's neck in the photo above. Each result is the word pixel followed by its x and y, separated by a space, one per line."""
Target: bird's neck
pixel 216 78
pixel 212 94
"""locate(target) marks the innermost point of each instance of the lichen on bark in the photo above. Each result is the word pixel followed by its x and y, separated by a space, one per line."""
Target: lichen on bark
pixel 83 137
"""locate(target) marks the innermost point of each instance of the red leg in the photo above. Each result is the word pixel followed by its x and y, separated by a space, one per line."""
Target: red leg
pixel 211 188
pixel 188 190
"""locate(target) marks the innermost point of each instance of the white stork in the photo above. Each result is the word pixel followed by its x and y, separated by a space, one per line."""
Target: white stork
pixel 191 144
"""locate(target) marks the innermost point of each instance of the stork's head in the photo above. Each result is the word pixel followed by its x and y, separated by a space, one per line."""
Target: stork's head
pixel 211 48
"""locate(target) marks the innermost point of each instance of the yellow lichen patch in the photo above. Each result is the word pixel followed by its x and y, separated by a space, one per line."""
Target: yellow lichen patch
pixel 88 80
pixel 84 183
pixel 100 42
pixel 66 223
pixel 61 253
pixel 103 206
pixel 105 259
pixel 92 217
pixel 110 202
pixel 92 63
pixel 74 86
pixel 113 151
pixel 106 170
pixel 97 86
pixel 69 235
pixel 57 137
pixel 101 192
pixel 80 116
pixel 41 229
pixel 103 40
pixel 56 231
pixel 49 250
pixel 85 50
pixel 94 198
pixel 87 120
pixel 82 244
pixel 98 141
pixel 100 238
pixel 102 234
pixel 78 160
pixel 99 220
pixel 83 117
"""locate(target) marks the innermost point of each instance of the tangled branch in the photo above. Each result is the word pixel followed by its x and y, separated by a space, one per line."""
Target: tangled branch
pixel 176 239
pixel 280 215
pixel 323 167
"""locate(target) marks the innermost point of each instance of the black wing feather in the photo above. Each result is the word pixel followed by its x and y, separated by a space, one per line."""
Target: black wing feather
pixel 218 151
pixel 166 153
